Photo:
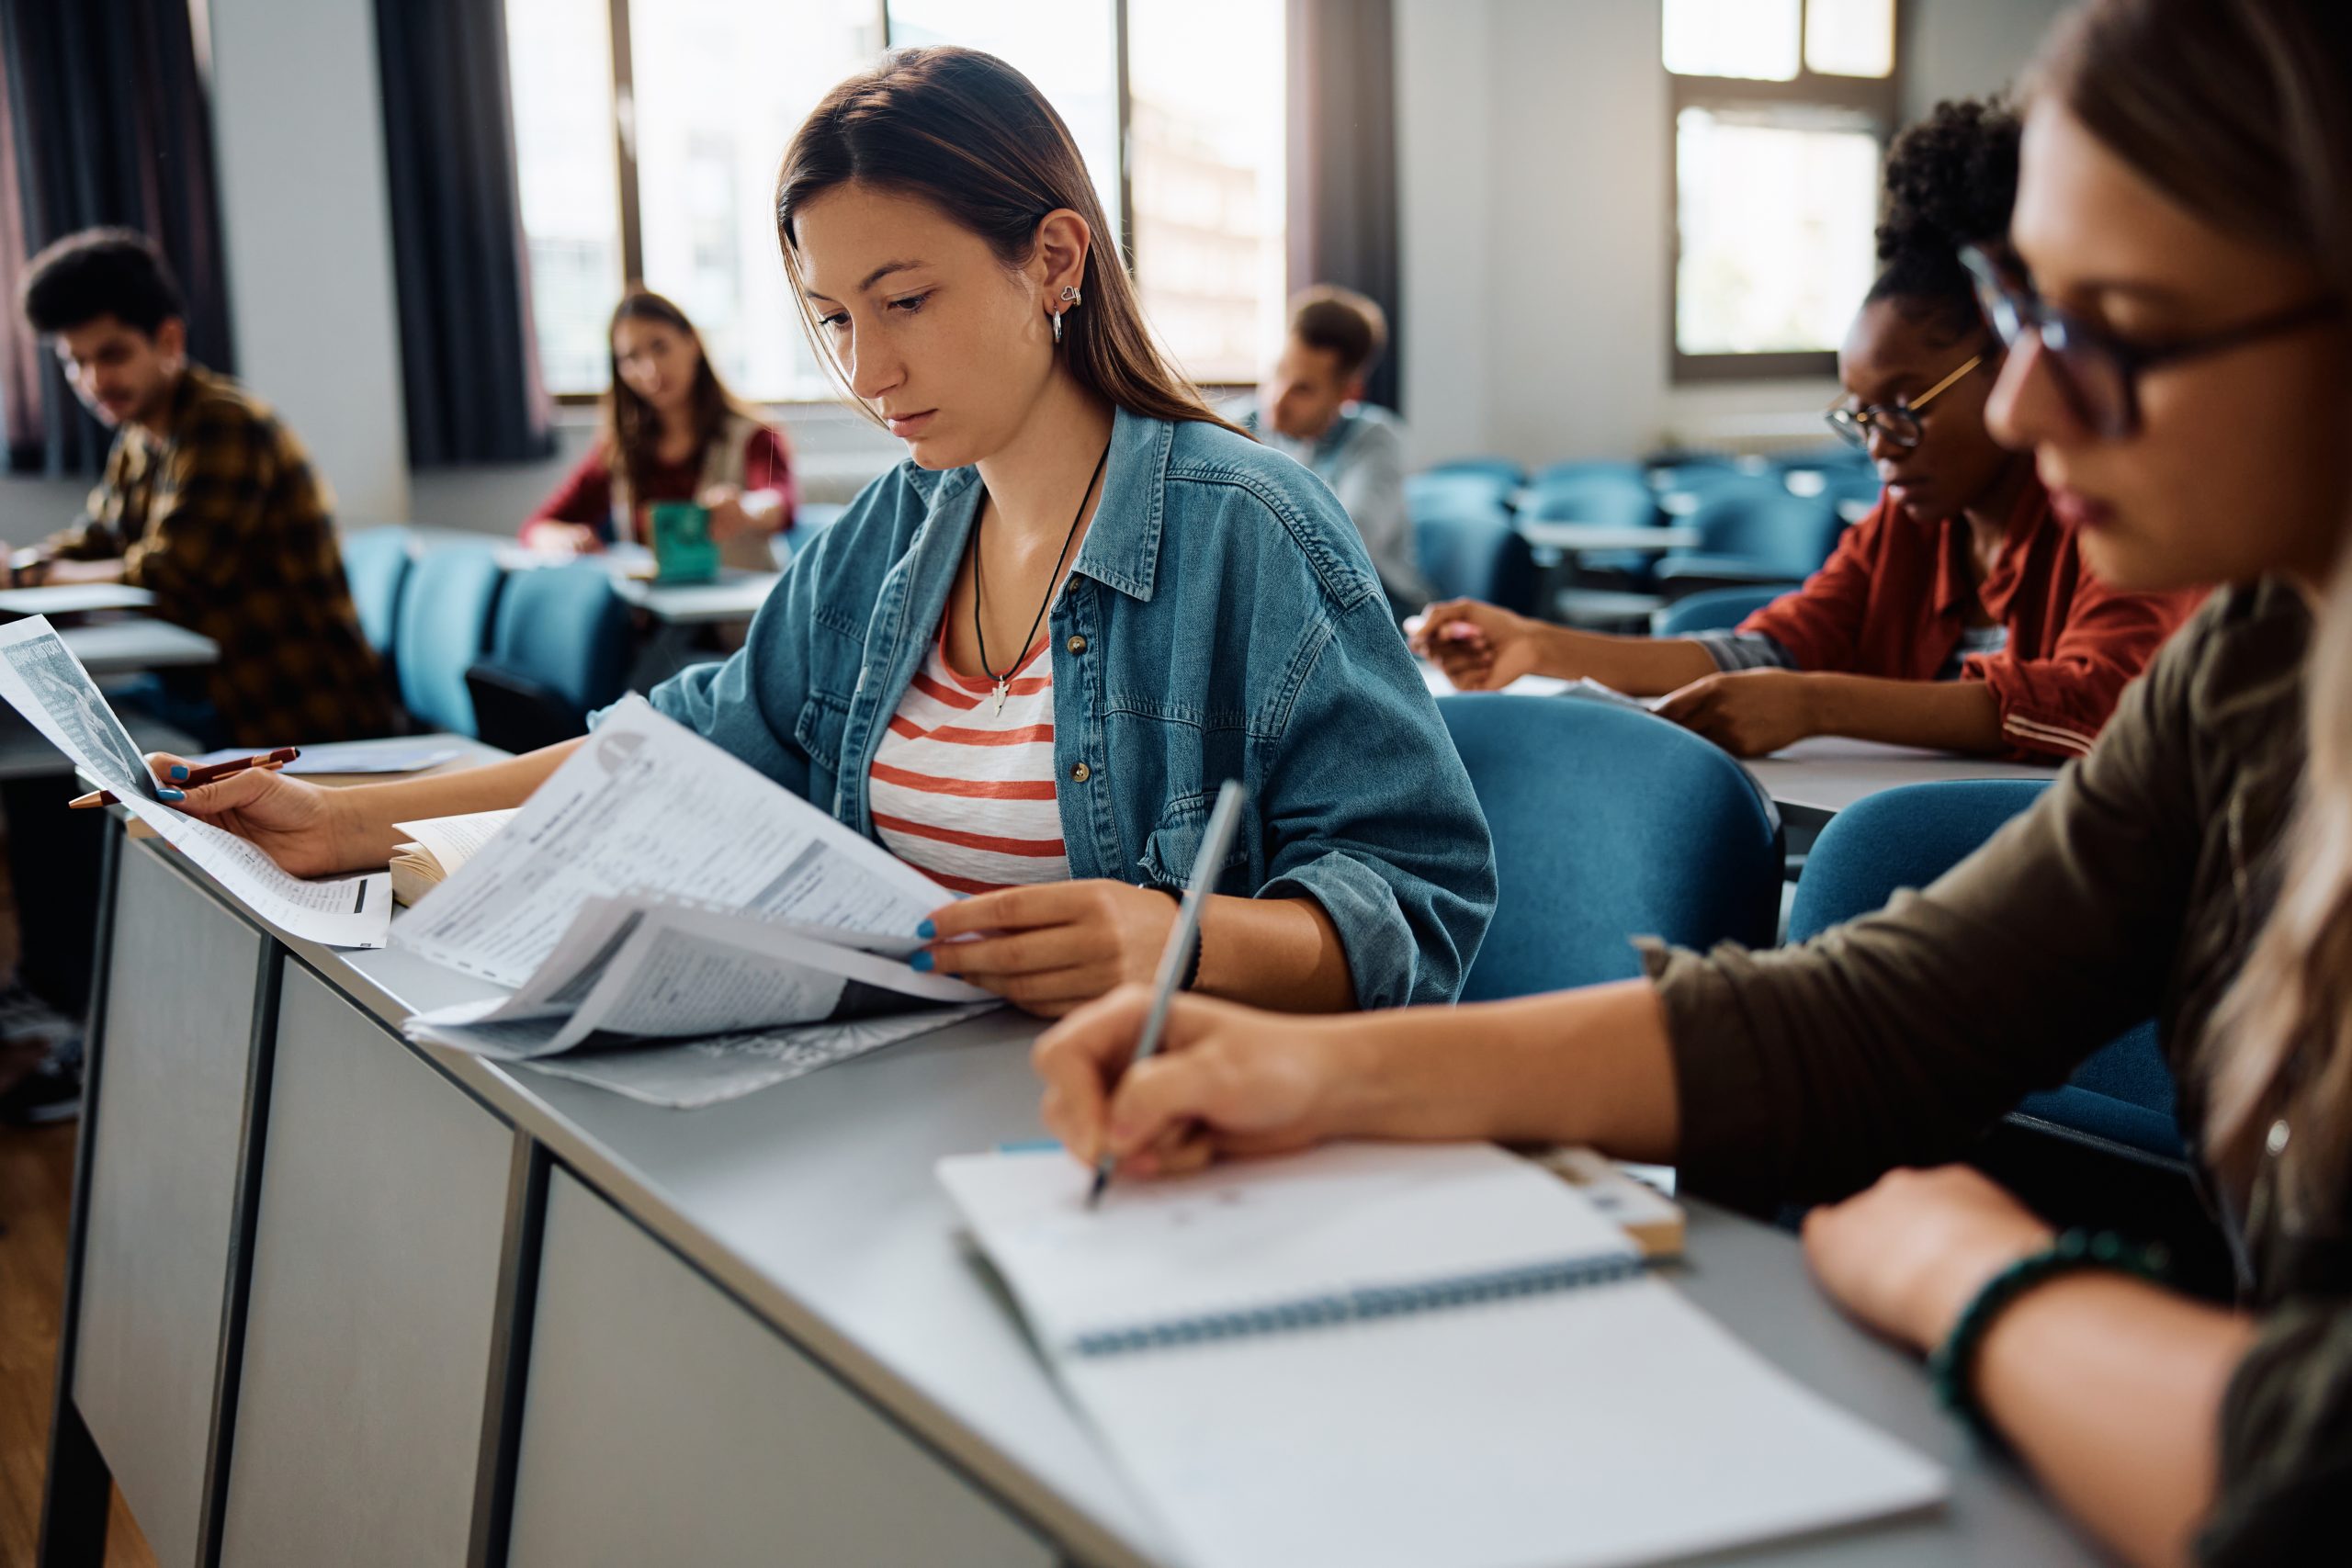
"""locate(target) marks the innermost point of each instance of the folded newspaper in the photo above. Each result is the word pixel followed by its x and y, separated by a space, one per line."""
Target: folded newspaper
pixel 657 890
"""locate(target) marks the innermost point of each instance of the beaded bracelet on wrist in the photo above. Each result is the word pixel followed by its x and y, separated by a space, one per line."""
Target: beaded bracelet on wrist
pixel 1952 1364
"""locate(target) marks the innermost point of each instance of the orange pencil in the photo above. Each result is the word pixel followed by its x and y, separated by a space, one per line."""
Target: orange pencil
pixel 273 760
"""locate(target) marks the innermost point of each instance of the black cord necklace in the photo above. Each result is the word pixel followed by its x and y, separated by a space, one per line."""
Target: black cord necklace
pixel 1051 584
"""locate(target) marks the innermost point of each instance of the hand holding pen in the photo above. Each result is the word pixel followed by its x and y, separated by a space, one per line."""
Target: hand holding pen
pixel 197 777
pixel 1176 959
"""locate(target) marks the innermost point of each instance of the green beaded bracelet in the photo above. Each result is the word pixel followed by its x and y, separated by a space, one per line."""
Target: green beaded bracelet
pixel 1952 1364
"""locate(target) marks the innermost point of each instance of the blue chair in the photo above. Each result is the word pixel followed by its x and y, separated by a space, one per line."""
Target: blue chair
pixel 1718 609
pixel 2120 1099
pixel 1755 534
pixel 1609 823
pixel 560 650
pixel 1433 491
pixel 376 564
pixel 1587 468
pixel 444 626
pixel 1469 552
pixel 1502 470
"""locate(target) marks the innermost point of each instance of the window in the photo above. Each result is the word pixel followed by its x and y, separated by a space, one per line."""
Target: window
pixel 1781 112
pixel 1206 171
pixel 657 160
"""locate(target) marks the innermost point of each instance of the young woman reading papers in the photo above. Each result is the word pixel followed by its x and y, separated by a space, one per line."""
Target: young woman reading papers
pixel 1959 613
pixel 2176 318
pixel 1027 659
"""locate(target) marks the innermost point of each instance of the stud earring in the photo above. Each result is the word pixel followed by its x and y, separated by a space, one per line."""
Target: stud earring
pixel 1070 293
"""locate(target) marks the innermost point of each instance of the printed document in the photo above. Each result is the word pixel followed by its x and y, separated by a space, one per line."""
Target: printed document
pixel 42 680
pixel 646 805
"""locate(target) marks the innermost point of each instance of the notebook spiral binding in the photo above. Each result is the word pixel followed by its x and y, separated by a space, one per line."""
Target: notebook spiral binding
pixel 1361 1304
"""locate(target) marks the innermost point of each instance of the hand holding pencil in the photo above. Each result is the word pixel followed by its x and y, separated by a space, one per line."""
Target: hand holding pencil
pixel 197 777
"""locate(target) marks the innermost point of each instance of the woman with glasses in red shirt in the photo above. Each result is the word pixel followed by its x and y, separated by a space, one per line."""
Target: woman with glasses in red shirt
pixel 1959 615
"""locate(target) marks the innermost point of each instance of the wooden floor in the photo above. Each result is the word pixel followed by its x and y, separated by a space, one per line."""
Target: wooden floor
pixel 36 1196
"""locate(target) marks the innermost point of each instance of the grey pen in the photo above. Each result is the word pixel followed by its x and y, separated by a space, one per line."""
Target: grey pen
pixel 1177 957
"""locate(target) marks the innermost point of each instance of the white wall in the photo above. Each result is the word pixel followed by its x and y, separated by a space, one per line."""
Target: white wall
pixel 297 131
pixel 1534 144
pixel 1958 48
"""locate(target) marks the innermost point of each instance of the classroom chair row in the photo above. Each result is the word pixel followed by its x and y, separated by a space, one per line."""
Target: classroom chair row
pixel 518 659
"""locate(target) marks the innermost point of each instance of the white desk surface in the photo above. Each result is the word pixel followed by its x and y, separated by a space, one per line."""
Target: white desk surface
pixel 73 599
pixel 1821 777
pixel 813 1203
pixel 128 647
pixel 734 597
pixel 1578 537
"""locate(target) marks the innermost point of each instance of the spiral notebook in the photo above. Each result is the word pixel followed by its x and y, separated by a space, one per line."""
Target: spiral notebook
pixel 1378 1354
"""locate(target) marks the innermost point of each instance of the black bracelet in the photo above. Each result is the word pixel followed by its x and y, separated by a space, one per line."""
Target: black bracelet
pixel 1952 1364
pixel 1192 965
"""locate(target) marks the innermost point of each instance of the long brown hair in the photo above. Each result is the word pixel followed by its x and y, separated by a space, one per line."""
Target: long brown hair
pixel 631 431
pixel 2241 110
pixel 970 135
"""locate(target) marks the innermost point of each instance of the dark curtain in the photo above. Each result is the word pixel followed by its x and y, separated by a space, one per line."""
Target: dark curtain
pixel 1343 158
pixel 468 353
pixel 103 120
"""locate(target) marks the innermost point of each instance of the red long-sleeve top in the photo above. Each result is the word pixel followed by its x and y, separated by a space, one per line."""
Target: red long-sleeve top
pixel 1893 600
pixel 586 493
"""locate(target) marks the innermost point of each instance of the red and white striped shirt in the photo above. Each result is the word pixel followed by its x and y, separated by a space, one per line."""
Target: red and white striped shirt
pixel 964 792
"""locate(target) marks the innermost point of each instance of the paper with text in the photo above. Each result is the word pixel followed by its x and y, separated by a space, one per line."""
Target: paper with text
pixel 41 678
pixel 649 968
pixel 647 805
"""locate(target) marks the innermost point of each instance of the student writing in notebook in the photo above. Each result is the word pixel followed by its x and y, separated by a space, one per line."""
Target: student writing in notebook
pixel 670 430
pixel 2176 308
pixel 1026 660
pixel 1960 614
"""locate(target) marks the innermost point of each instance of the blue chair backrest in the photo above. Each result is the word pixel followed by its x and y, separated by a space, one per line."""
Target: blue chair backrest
pixel 1718 609
pixel 1501 470
pixel 564 627
pixel 1619 500
pixel 376 563
pixel 1609 823
pixel 1456 492
pixel 1586 468
pixel 1474 553
pixel 443 626
pixel 1789 536
pixel 1908 837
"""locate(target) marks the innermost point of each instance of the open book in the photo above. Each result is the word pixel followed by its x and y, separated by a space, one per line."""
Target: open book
pixel 1381 1354
pixel 441 845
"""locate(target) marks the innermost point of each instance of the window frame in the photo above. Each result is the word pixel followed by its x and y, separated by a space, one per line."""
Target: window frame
pixel 1876 99
pixel 632 246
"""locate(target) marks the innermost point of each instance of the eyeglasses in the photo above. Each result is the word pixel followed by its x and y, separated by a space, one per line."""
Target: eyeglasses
pixel 1898 422
pixel 2097 373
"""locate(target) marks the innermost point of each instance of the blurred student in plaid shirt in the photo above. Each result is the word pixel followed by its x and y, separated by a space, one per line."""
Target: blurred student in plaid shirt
pixel 209 502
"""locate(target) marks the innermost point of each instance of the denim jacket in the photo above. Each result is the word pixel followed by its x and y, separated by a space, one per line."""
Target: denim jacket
pixel 1221 620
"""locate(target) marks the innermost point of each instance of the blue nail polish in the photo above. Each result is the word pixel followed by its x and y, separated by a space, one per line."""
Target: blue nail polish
pixel 179 772
pixel 169 796
pixel 926 931
pixel 920 962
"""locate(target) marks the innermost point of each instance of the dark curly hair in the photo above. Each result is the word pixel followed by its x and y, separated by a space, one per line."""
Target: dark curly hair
pixel 1950 181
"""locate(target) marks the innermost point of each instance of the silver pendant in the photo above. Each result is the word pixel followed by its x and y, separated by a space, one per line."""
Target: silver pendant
pixel 1000 699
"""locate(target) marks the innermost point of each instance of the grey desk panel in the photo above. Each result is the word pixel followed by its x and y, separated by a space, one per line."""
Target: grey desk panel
pixel 375 1276
pixel 162 1186
pixel 663 1423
